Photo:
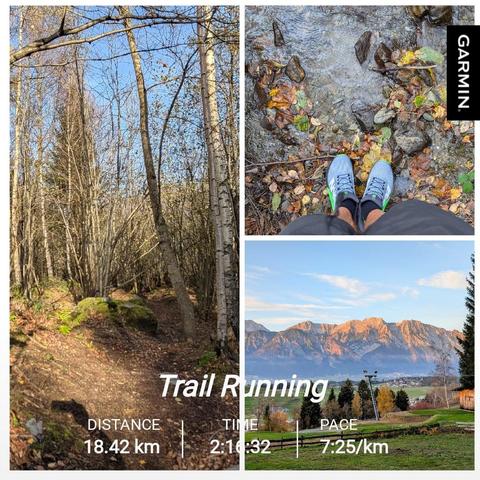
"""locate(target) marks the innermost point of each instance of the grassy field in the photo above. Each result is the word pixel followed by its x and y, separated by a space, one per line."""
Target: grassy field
pixel 446 416
pixel 439 415
pixel 367 428
pixel 290 403
pixel 447 451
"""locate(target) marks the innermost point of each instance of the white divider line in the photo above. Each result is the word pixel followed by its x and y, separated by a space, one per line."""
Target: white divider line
pixel 183 440
pixel 297 438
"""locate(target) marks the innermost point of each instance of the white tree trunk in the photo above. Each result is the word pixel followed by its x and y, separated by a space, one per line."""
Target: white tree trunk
pixel 15 197
pixel 174 272
pixel 220 195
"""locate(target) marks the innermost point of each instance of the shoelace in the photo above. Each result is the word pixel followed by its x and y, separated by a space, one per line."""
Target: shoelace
pixel 376 187
pixel 344 182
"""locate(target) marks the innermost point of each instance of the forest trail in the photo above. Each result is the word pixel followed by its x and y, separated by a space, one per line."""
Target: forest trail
pixel 103 370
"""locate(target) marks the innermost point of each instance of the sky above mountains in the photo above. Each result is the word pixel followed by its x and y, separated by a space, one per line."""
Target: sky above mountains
pixel 288 282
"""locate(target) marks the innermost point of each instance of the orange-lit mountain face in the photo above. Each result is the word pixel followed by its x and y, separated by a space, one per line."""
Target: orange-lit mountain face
pixel 407 347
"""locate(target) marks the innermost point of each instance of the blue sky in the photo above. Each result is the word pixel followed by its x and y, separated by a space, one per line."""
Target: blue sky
pixel 288 282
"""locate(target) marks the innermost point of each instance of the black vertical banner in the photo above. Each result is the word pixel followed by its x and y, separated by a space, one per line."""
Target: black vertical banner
pixel 463 79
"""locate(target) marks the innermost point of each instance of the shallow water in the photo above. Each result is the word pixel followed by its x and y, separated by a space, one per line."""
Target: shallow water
pixel 323 37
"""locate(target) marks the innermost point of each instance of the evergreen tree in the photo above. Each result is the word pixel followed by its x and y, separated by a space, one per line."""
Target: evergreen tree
pixel 466 351
pixel 331 397
pixel 363 390
pixel 401 400
pixel 267 421
pixel 310 413
pixel 345 395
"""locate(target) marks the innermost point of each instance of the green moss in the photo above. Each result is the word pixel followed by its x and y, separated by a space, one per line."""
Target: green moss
pixel 58 439
pixel 92 307
pixel 64 329
pixel 137 315
pixel 63 315
pixel 206 359
pixel 133 313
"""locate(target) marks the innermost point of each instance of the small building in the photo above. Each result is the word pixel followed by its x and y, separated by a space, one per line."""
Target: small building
pixel 466 398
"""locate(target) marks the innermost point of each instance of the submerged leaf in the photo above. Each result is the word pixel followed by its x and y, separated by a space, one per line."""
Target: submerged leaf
pixel 276 200
pixel 301 122
pixel 429 55
pixel 301 99
pixel 386 134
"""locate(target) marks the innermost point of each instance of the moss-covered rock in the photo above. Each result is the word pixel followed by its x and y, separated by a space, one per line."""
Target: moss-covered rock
pixel 92 307
pixel 133 312
pixel 137 315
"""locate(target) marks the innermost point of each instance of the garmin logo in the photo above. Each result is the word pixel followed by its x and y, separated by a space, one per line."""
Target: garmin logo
pixel 462 99
pixel 463 87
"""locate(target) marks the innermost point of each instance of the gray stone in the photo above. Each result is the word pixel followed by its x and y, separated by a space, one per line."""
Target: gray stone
pixel 294 70
pixel 362 47
pixel 411 139
pixel 364 115
pixel 402 186
pixel 384 116
pixel 278 39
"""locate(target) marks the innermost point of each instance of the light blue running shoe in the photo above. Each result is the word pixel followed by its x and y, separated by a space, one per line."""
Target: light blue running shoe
pixel 378 190
pixel 340 182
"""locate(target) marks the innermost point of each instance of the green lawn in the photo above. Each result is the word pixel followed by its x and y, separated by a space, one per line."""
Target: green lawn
pixel 371 427
pixel 446 416
pixel 438 415
pixel 445 451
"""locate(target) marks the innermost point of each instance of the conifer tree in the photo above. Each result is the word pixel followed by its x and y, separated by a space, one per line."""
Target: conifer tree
pixel 466 351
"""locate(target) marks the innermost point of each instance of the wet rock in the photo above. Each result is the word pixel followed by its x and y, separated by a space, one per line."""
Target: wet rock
pixel 285 137
pixel 411 139
pixel 260 94
pixel 465 127
pixel 386 91
pixel 402 186
pixel 384 115
pixel 267 123
pixel 294 70
pixel 417 12
pixel 278 39
pixel 362 47
pixel 364 115
pixel 440 15
pixel 398 159
pixel 382 55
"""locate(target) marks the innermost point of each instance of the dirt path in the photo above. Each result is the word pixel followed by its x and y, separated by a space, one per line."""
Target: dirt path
pixel 101 370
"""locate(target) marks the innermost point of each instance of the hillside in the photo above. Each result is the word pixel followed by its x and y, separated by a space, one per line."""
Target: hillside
pixel 404 348
pixel 106 368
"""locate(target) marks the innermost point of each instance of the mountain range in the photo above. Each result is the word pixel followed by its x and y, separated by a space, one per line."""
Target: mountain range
pixel 409 347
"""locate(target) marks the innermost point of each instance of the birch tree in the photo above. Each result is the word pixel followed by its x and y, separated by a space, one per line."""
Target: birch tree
pixel 222 210
pixel 174 271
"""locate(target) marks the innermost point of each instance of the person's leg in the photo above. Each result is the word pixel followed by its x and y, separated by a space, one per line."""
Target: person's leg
pixel 376 196
pixel 413 217
pixel 341 190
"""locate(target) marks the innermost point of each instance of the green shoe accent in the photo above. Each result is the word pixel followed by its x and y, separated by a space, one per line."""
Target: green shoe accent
pixel 331 198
